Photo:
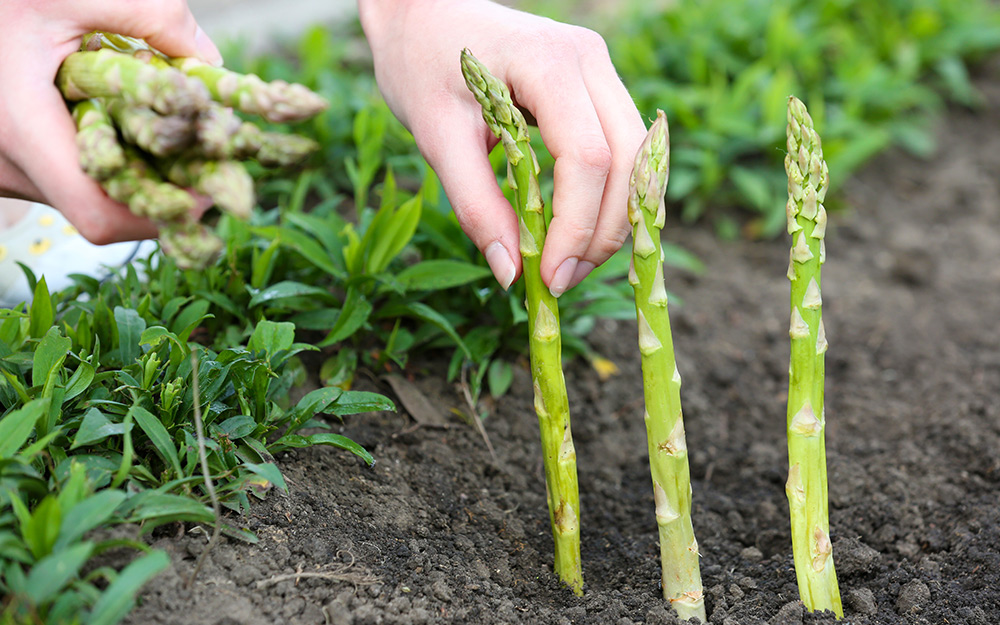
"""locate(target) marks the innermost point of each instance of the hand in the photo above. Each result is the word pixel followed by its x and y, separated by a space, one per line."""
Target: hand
pixel 561 74
pixel 38 155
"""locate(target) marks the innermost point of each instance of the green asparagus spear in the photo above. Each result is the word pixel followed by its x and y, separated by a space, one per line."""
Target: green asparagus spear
pixel 276 101
pixel 190 243
pixel 806 488
pixel 159 135
pixel 227 183
pixel 144 191
pixel 551 402
pixel 661 381
pixel 223 135
pixel 101 156
pixel 106 73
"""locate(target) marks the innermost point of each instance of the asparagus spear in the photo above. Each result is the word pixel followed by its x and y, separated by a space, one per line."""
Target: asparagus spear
pixel 159 135
pixel 144 191
pixel 661 380
pixel 190 243
pixel 551 402
pixel 105 73
pixel 227 183
pixel 806 487
pixel 223 135
pixel 276 101
pixel 101 156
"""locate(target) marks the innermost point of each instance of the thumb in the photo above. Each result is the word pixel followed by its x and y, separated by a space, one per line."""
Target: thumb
pixel 167 25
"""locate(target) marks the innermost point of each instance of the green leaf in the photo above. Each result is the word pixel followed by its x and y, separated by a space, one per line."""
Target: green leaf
pixel 82 378
pixel 499 378
pixel 317 401
pixel 95 427
pixel 435 275
pixel 54 571
pixel 87 515
pixel 325 438
pixel 42 529
pixel 165 508
pixel 42 313
pixel 269 471
pixel 353 315
pixel 392 233
pixel 355 402
pixel 16 427
pixel 426 313
pixel 159 436
pixel 49 356
pixel 271 337
pixel 119 597
pixel 288 290
pixel 238 427
pixel 130 329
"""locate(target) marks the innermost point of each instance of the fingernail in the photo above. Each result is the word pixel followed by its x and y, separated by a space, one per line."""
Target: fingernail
pixel 565 273
pixel 206 49
pixel 500 263
pixel 582 271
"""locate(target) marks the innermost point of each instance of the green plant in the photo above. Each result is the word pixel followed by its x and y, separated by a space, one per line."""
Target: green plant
pixel 661 380
pixel 551 402
pixel 96 402
pixel 875 72
pixel 808 499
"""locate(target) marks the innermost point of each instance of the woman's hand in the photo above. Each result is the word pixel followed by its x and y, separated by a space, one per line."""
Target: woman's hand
pixel 561 74
pixel 38 155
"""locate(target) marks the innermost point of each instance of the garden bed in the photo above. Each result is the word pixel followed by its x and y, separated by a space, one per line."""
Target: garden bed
pixel 437 532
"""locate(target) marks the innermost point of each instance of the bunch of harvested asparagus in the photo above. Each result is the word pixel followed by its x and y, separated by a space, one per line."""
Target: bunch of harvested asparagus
pixel 160 134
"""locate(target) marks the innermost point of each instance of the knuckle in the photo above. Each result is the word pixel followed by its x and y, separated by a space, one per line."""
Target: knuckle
pixel 590 42
pixel 593 156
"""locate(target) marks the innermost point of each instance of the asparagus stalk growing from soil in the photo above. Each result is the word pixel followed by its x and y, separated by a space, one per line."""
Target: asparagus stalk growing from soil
pixel 551 402
pixel 661 381
pixel 806 487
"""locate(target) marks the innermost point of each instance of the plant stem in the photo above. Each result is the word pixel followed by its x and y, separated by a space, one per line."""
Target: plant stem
pixel 551 402
pixel 808 180
pixel 661 381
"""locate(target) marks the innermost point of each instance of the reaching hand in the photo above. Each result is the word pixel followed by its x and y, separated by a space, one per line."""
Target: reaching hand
pixel 38 155
pixel 561 74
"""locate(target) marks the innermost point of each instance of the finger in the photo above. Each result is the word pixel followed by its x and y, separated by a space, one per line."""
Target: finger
pixel 458 152
pixel 624 131
pixel 571 129
pixel 167 25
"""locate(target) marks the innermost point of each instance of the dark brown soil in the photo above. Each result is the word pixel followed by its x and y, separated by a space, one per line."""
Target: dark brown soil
pixel 436 533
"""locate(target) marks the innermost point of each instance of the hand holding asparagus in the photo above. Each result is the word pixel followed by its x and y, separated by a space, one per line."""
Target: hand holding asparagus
pixel 179 135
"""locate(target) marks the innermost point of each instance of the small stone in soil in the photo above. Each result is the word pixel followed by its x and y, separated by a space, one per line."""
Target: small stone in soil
pixel 912 597
pixel 752 554
pixel 789 614
pixel 861 600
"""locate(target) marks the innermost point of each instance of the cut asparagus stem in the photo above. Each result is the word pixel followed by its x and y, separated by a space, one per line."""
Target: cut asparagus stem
pixel 227 183
pixel 806 488
pixel 661 381
pixel 276 101
pixel 551 402
pixel 106 73
pixel 101 156
pixel 159 135
pixel 191 244
pixel 144 191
